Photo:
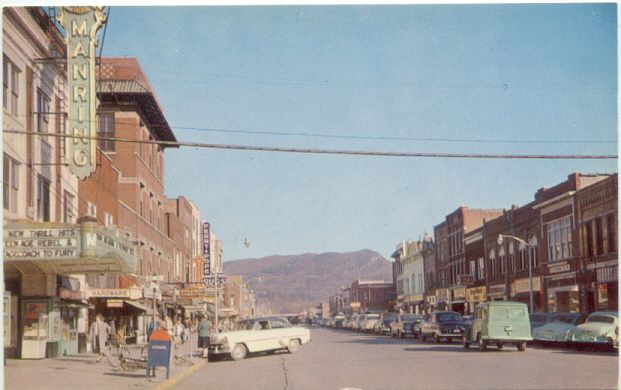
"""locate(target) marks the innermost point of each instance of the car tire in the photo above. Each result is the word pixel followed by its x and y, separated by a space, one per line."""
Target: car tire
pixel 521 346
pixel 481 343
pixel 239 352
pixel 436 338
pixel 499 345
pixel 466 343
pixel 401 334
pixel 294 345
pixel 423 337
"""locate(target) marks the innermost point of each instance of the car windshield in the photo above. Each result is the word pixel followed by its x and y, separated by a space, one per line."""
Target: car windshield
pixel 372 316
pixel 600 318
pixel 511 312
pixel 539 318
pixel 450 317
pixel 389 317
pixel 244 325
pixel 573 319
pixel 410 318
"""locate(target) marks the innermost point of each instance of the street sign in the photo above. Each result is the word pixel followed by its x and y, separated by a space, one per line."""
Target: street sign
pixel 206 249
pixel 465 280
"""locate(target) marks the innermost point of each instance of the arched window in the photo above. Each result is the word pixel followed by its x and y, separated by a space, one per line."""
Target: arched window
pixel 492 261
pixel 501 259
pixel 523 256
pixel 532 249
pixel 511 257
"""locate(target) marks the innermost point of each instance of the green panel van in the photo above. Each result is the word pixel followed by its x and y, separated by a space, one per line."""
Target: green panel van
pixel 500 323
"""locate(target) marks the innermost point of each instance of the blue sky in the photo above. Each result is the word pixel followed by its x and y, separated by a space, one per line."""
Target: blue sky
pixel 473 72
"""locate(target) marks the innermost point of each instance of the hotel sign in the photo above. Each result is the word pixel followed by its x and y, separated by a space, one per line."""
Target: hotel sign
pixel 81 25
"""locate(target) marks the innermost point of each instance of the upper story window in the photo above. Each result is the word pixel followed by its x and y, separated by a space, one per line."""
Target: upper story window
pixel 10 92
pixel 501 260
pixel 68 212
pixel 105 129
pixel 512 257
pixel 532 250
pixel 559 239
pixel 43 199
pixel 43 109
pixel 611 225
pixel 492 261
pixel 481 270
pixel 10 183
pixel 523 264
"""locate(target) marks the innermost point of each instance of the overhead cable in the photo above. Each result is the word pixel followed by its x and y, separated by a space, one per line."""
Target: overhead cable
pixel 327 151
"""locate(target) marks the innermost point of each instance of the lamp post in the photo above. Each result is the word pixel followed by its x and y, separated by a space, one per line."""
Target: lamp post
pixel 530 271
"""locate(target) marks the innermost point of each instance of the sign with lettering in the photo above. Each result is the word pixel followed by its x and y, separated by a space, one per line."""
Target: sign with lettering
pixel 81 25
pixel 465 280
pixel 442 295
pixel 51 243
pixel 459 293
pixel 206 251
pixel 556 268
pixel 476 294
pixel 497 290
pixel 108 293
pixel 193 292
pixel 523 285
pixel 211 280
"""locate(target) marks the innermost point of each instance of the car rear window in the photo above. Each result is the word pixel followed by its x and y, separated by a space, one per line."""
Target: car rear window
pixel 449 317
pixel 510 312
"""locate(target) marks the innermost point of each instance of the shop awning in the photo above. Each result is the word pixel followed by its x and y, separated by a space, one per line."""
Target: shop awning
pixel 75 304
pixel 139 306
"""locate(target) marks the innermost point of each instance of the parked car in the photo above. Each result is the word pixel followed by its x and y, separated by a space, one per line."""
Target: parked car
pixel 259 335
pixel 559 328
pixel 368 322
pixel 601 329
pixel 355 322
pixel 447 324
pixel 406 324
pixel 499 323
pixel 383 325
pixel 337 321
pixel 540 319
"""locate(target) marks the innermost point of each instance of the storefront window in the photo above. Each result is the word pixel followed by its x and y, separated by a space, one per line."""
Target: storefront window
pixel 564 301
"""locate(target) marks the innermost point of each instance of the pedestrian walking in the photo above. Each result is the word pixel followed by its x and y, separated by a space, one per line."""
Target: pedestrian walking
pixel 178 331
pixel 98 334
pixel 154 324
pixel 168 325
pixel 203 335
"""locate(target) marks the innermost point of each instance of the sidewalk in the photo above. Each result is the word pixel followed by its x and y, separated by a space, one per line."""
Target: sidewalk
pixel 83 372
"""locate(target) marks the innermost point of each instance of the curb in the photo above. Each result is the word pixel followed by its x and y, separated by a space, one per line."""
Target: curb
pixel 168 383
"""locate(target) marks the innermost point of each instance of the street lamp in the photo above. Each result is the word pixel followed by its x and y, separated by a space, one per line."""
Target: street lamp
pixel 530 271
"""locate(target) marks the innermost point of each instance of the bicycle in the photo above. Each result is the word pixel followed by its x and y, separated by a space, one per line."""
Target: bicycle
pixel 116 350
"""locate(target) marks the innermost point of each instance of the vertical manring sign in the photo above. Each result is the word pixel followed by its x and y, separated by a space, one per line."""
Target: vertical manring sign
pixel 206 251
pixel 81 25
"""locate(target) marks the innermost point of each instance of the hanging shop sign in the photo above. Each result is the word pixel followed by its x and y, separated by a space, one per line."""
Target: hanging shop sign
pixel 459 293
pixel 556 268
pixel 442 295
pixel 214 280
pixel 476 294
pixel 465 280
pixel 81 25
pixel 114 303
pixel 206 251
pixel 523 285
pixel 193 292
pixel 497 291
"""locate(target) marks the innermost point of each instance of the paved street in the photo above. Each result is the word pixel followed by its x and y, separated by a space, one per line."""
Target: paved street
pixel 338 359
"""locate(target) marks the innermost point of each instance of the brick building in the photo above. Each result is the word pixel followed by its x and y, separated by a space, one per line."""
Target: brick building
pixel 597 216
pixel 129 109
pixel 370 296
pixel 451 263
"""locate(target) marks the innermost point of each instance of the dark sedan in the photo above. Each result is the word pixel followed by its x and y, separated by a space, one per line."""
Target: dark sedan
pixel 443 324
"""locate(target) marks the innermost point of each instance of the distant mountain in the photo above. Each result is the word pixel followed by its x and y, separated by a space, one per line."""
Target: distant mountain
pixel 289 284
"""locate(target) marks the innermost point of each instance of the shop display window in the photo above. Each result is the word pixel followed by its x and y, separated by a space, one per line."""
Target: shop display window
pixel 36 320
